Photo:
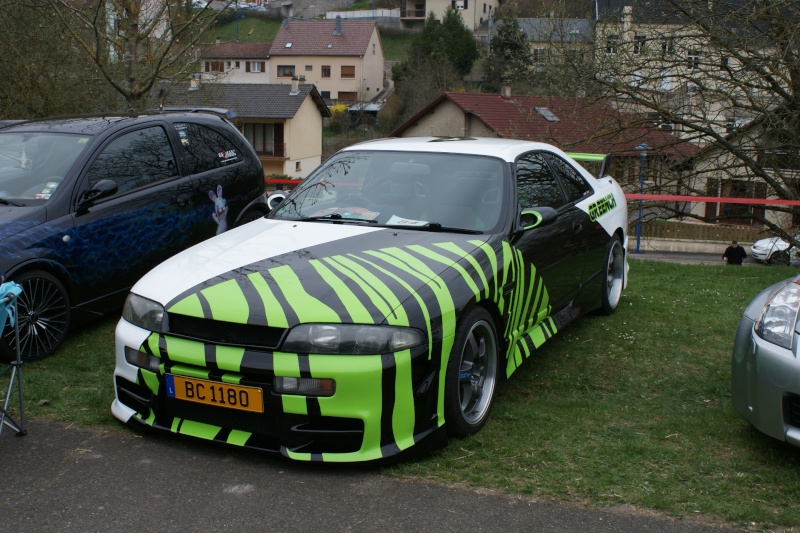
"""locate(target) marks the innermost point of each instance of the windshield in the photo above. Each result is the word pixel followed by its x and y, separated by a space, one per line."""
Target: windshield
pixel 414 190
pixel 32 165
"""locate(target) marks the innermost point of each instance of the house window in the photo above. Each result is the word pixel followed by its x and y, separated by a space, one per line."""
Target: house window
pixel 285 71
pixel 348 71
pixel 639 42
pixel 573 55
pixel 693 59
pixel 612 41
pixel 540 55
pixel 262 138
pixel 667 46
pixel 255 66
pixel 215 66
pixel 347 96
pixel 459 5
pixel 326 71
pixel 298 166
pixel 326 95
pixel 484 8
pixel 237 64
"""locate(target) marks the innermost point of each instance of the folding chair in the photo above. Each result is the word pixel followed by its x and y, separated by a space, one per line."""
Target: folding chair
pixel 8 310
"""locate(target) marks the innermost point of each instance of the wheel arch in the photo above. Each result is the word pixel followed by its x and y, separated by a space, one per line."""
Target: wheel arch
pixel 51 267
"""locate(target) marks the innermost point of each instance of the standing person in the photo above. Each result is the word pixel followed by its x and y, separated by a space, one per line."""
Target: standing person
pixel 734 254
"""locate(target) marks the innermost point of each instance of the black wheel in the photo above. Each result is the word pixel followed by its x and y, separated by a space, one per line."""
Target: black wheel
pixel 614 276
pixel 471 374
pixel 43 309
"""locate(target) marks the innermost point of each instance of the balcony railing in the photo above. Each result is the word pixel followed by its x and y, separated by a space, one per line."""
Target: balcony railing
pixel 272 150
pixel 412 13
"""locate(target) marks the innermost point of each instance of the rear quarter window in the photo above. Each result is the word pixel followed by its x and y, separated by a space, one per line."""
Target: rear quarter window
pixel 205 148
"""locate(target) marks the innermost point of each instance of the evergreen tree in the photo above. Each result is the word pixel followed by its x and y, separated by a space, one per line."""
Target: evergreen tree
pixel 509 59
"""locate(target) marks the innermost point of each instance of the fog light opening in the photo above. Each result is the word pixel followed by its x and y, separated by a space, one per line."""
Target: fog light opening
pixel 142 360
pixel 304 386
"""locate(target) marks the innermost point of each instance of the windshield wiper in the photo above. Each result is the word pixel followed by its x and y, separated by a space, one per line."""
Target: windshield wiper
pixel 3 201
pixel 337 217
pixel 434 227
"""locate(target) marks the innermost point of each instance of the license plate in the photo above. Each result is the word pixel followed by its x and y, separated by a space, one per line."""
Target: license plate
pixel 215 393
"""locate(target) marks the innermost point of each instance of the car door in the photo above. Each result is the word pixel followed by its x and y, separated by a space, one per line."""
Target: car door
pixel 225 175
pixel 554 247
pixel 592 237
pixel 150 217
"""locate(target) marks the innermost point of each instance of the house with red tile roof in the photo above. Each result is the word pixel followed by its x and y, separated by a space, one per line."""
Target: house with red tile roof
pixel 342 58
pixel 573 124
pixel 235 62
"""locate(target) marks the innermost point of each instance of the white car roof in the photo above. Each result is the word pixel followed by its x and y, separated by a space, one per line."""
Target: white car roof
pixel 507 149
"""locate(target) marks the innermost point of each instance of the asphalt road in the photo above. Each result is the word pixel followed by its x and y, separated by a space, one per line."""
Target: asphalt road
pixel 59 478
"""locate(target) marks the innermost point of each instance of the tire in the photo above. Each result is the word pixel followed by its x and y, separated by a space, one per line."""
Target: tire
pixel 471 375
pixel 613 276
pixel 44 317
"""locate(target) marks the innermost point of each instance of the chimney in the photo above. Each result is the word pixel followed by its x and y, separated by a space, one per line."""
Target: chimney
pixel 295 86
pixel 505 91
pixel 194 81
pixel 285 23
pixel 338 30
pixel 218 40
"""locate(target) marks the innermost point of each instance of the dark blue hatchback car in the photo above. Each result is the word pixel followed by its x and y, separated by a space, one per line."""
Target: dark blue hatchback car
pixel 89 204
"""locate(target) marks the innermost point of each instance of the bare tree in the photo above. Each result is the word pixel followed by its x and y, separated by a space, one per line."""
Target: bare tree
pixel 44 75
pixel 135 44
pixel 724 76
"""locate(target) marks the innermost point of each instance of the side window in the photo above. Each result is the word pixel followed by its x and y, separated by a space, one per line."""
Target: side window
pixel 205 148
pixel 537 186
pixel 574 185
pixel 135 159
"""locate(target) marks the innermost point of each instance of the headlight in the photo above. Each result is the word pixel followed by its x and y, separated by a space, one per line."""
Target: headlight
pixel 144 313
pixel 348 339
pixel 779 319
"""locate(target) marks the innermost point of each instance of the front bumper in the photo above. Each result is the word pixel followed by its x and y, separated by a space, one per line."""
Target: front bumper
pixel 383 404
pixel 765 384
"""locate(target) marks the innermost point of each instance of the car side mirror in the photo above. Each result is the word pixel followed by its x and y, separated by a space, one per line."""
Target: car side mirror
pixel 101 189
pixel 534 217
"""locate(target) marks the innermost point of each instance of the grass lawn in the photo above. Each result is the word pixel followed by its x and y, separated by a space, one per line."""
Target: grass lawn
pixel 632 409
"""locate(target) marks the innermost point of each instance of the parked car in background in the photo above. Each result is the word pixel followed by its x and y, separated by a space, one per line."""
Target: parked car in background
pixel 88 205
pixel 772 250
pixel 765 366
pixel 379 305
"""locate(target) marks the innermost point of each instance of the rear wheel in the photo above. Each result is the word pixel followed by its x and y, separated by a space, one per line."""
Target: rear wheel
pixel 471 374
pixel 614 275
pixel 43 313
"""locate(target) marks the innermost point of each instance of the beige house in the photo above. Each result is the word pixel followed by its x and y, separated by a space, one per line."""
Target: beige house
pixel 282 122
pixel 235 62
pixel 342 58
pixel 474 13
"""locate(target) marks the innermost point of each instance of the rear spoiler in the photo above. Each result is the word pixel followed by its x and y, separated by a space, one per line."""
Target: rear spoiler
pixel 603 159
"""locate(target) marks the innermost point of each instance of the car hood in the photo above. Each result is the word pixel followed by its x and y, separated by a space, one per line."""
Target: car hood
pixel 771 242
pixel 304 272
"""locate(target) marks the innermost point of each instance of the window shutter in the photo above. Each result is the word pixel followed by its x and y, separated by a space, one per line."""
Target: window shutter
pixel 247 66
pixel 263 65
pixel 207 67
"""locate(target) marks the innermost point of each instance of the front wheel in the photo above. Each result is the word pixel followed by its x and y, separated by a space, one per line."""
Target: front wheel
pixel 44 315
pixel 471 374
pixel 614 276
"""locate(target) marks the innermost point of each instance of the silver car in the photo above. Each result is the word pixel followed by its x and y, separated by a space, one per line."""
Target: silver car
pixel 765 367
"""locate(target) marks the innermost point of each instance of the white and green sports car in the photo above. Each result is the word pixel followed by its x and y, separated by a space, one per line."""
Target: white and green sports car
pixel 379 305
